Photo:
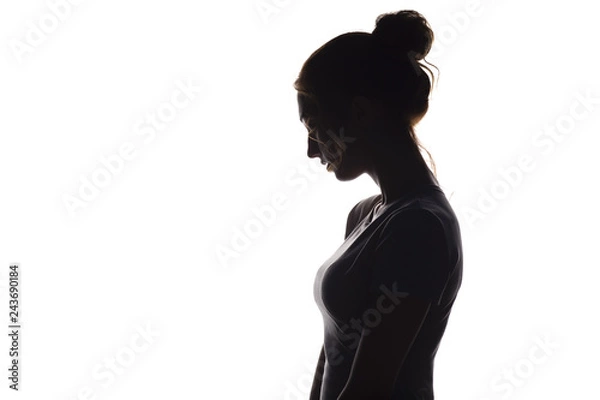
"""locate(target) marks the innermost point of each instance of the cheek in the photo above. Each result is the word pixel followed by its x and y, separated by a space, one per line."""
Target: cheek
pixel 338 143
pixel 352 154
pixel 350 141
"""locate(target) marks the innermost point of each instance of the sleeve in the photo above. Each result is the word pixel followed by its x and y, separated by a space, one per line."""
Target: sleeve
pixel 411 257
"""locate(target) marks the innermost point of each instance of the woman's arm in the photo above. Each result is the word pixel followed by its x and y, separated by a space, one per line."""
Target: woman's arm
pixel 410 261
pixel 315 392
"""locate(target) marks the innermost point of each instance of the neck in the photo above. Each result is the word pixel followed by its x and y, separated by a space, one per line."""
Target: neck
pixel 398 172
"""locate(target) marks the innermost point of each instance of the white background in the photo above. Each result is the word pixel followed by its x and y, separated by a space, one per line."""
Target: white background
pixel 143 253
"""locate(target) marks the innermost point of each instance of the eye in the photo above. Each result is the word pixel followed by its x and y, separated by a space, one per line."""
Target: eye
pixel 312 130
pixel 312 135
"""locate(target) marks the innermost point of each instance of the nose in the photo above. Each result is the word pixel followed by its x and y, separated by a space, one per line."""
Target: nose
pixel 313 149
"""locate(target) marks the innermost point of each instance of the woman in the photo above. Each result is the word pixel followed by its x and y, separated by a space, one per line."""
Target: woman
pixel 387 292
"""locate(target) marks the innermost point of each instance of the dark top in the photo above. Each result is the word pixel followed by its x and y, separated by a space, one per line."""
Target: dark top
pixel 383 248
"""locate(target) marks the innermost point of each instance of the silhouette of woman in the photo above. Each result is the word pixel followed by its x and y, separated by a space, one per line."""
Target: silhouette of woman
pixel 387 292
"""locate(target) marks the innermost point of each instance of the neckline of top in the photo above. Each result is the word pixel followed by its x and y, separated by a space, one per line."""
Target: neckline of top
pixel 413 191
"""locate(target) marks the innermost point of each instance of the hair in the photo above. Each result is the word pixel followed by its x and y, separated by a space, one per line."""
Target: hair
pixel 382 65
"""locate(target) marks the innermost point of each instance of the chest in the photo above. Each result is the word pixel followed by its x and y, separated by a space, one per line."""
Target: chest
pixel 341 286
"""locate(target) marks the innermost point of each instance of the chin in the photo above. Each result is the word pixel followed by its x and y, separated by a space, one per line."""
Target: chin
pixel 344 173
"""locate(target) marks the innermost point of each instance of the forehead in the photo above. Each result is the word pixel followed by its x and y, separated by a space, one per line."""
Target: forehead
pixel 301 107
pixel 306 108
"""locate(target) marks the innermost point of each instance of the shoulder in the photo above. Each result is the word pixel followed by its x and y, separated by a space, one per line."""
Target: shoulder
pixel 363 207
pixel 359 211
pixel 417 236
pixel 414 224
pixel 414 217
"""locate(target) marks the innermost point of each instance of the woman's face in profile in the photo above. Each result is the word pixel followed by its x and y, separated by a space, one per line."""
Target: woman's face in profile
pixel 333 146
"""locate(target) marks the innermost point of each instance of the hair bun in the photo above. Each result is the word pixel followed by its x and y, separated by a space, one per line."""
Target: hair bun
pixel 405 31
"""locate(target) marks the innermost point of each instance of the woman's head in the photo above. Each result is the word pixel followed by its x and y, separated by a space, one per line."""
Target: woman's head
pixel 360 85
